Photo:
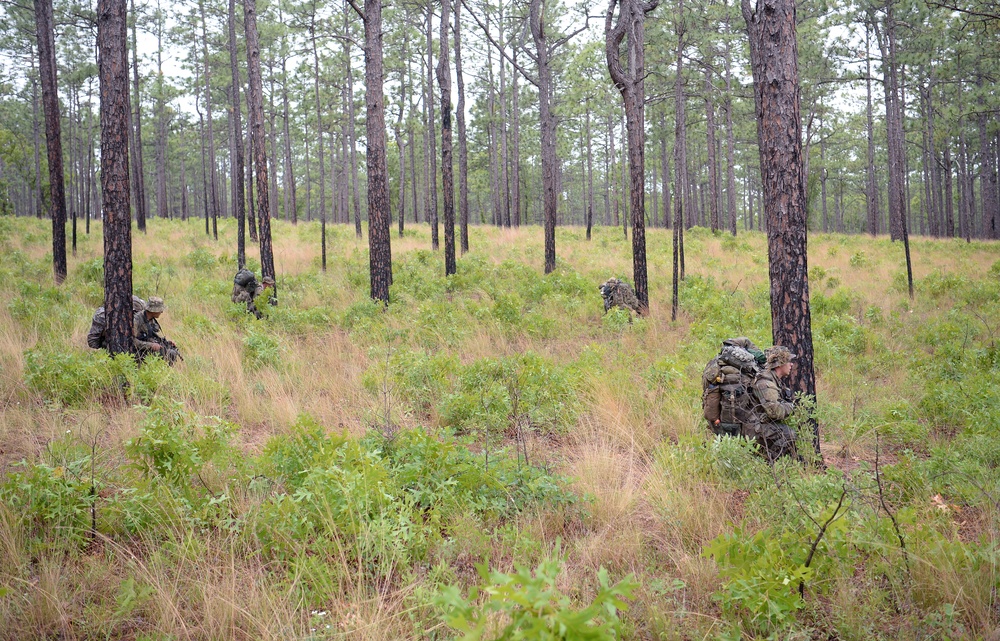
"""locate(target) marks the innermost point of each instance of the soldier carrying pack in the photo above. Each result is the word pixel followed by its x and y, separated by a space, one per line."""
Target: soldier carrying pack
pixel 727 386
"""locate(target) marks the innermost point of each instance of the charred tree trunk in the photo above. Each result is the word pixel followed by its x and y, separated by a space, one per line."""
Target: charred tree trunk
pixel 319 140
pixel 378 173
pixel 590 174
pixel 680 164
pixel 547 123
pixel 447 177
pixel 44 30
pixel 432 217
pixel 113 73
pixel 774 62
pixel 255 109
pixel 213 180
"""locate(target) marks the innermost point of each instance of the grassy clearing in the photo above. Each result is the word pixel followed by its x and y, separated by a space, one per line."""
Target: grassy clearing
pixel 336 471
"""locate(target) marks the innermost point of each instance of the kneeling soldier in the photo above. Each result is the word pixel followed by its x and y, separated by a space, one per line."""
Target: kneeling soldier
pixel 618 294
pixel 246 289
pixel 147 337
pixel 96 338
pixel 774 437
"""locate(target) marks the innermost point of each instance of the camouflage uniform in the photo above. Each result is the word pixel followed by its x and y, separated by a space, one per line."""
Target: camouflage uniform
pixel 248 293
pixel 775 438
pixel 147 336
pixel 618 294
pixel 99 324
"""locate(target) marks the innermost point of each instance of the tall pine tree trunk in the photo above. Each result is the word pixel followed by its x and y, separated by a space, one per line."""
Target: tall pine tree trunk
pixel 353 139
pixel 680 163
pixel 447 166
pixel 113 73
pixel 871 189
pixel 463 145
pixel 44 30
pixel 213 180
pixel 255 109
pixel 774 63
pixel 432 218
pixel 237 136
pixel 379 249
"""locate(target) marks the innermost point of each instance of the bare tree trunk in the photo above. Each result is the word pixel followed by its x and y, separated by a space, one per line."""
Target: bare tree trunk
pixel 162 208
pixel 730 142
pixel 141 202
pixel 252 205
pixel 590 174
pixel 39 198
pixel 273 160
pixel 516 161
pixel 987 173
pixel 613 169
pixel 893 120
pixel 774 62
pixel 871 189
pixel 713 176
pixel 290 204
pixel 44 30
pixel 353 140
pixel 463 146
pixel 432 181
pixel 447 165
pixel 237 137
pixel 630 81
pixel 680 162
pixel 113 73
pixel 378 172
pixel 502 127
pixel 949 197
pixel 547 124
pixel 319 138
pixel 665 168
pixel 255 110
pixel 213 180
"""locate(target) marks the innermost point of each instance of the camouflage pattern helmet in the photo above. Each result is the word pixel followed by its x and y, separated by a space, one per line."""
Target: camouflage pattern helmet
pixel 267 280
pixel 777 356
pixel 155 305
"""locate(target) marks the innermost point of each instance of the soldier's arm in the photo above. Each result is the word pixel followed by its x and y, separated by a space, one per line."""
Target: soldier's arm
pixel 776 408
pixel 140 343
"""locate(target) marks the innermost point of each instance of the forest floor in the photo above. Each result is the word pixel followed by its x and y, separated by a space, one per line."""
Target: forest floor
pixel 336 470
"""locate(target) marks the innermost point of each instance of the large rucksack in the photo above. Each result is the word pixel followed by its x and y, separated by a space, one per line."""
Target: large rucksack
pixel 245 279
pixel 727 386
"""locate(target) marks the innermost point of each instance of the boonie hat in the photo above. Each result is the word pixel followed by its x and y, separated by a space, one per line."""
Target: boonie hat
pixel 155 305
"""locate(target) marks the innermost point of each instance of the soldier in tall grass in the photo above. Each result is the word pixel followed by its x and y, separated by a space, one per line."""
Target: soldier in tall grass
pixel 148 338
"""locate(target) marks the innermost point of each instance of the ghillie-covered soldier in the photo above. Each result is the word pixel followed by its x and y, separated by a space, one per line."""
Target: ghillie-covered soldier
pixel 246 289
pixel 96 338
pixel 147 336
pixel 618 294
pixel 776 403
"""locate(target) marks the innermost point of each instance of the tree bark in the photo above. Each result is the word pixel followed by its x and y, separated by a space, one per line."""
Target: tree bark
pixel 680 162
pixel 255 109
pixel 547 125
pixel 871 189
pixel 447 177
pixel 291 208
pixel 590 174
pixel 432 217
pixel 237 133
pixel 39 197
pixel 713 174
pixel 113 73
pixel 141 201
pixel 630 81
pixel 730 142
pixel 774 63
pixel 516 160
pixel 319 138
pixel 213 180
pixel 463 146
pixel 355 190
pixel 162 208
pixel 379 249
pixel 44 30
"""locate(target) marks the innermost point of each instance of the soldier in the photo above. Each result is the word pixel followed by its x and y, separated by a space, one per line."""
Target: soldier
pixel 246 289
pixel 147 337
pixel 618 294
pixel 99 324
pixel 774 437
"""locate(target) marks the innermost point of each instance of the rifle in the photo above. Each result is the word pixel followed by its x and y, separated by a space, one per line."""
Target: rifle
pixel 170 352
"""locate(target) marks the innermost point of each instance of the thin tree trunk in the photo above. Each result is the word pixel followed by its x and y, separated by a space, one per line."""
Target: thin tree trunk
pixel 447 165
pixel 353 139
pixel 463 146
pixel 547 123
pixel 290 206
pixel 713 175
pixel 274 160
pixel 590 174
pixel 237 137
pixel 255 109
pixel 949 197
pixel 139 179
pixel 680 162
pixel 516 160
pixel 39 197
pixel 213 180
pixel 319 139
pixel 162 208
pixel 44 31
pixel 113 73
pixel 432 180
pixel 502 126
pixel 251 203
pixel 730 141
pixel 871 190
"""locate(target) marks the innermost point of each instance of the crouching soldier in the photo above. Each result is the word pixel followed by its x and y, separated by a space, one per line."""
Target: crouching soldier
pixel 775 438
pixel 618 294
pixel 96 337
pixel 246 289
pixel 147 336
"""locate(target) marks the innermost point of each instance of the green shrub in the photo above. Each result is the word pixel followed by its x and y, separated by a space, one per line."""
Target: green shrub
pixel 532 607
pixel 54 498
pixel 260 349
